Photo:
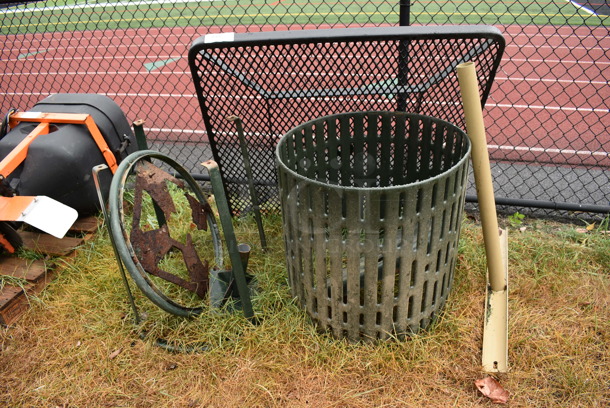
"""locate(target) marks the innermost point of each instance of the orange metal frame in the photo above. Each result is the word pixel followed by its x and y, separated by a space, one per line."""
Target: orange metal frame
pixel 20 152
pixel 12 208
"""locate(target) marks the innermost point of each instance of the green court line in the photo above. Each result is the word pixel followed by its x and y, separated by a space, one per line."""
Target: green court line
pixel 29 54
pixel 151 66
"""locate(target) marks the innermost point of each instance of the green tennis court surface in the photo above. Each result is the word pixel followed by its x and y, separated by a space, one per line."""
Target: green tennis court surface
pixel 76 16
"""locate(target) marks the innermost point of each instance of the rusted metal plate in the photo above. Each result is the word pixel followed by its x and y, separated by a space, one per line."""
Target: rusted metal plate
pixel 200 219
pixel 153 180
pixel 152 246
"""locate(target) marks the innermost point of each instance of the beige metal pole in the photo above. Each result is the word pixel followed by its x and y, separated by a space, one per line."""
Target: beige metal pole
pixel 469 88
pixel 495 329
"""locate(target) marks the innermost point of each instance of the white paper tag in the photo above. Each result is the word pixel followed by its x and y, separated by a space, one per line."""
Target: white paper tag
pixel 50 216
pixel 218 37
pixel 29 115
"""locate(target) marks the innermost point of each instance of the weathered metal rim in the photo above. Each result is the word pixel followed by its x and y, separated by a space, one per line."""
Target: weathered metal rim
pixel 123 244
pixel 439 176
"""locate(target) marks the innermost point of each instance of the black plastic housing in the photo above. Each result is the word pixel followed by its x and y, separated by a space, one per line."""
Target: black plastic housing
pixel 59 164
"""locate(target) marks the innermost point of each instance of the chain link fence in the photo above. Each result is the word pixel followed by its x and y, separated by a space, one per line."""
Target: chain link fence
pixel 547 116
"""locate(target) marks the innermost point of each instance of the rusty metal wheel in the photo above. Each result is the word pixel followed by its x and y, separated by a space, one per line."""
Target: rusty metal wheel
pixel 165 231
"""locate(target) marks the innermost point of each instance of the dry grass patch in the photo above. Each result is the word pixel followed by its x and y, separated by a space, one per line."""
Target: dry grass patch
pixel 78 346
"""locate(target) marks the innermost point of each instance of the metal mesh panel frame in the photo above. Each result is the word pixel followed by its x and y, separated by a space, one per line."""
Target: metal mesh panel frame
pixel 277 80
pixel 371 247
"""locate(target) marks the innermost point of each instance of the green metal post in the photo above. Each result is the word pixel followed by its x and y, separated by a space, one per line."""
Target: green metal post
pixel 138 129
pixel 239 273
pixel 248 167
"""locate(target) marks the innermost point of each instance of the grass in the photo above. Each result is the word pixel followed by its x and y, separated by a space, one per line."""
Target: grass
pixel 78 346
pixel 62 16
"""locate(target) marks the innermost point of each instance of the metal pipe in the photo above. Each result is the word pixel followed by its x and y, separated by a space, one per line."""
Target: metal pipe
pixel 495 328
pixel 550 205
pixel 96 179
pixel 247 166
pixel 244 254
pixel 231 241
pixel 138 129
pixel 473 113
pixel 404 19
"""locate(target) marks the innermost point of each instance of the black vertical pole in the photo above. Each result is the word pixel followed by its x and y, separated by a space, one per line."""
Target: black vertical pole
pixel 404 19
pixel 405 13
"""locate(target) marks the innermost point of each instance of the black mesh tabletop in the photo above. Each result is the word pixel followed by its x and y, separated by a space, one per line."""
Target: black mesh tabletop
pixel 275 81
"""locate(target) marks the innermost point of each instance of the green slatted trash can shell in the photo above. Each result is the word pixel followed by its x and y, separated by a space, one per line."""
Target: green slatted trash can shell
pixel 372 204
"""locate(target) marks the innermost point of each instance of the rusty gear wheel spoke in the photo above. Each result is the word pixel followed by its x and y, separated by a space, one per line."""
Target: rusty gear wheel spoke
pixel 164 230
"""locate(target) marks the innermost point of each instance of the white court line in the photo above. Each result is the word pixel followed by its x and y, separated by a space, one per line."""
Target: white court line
pixel 569 152
pixel 551 108
pixel 547 150
pixel 512 79
pixel 491 147
pixel 578 6
pixel 551 80
pixel 168 95
pixel 100 5
pixel 144 56
pixel 191 131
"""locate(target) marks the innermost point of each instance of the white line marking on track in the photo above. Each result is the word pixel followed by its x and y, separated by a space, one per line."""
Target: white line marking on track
pixel 551 108
pixel 553 62
pixel 547 46
pixel 492 147
pixel 487 105
pixel 145 72
pixel 100 5
pixel 201 132
pixel 569 152
pixel 8 50
pixel 168 130
pixel 132 95
pixel 552 151
pixel 553 80
pixel 96 73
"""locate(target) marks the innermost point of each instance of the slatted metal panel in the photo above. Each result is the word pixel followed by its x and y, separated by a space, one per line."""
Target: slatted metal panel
pixel 372 204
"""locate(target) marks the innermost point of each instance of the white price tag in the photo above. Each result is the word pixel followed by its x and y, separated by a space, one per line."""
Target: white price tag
pixel 219 37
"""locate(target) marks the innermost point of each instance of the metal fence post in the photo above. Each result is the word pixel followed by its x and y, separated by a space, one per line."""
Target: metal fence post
pixel 404 19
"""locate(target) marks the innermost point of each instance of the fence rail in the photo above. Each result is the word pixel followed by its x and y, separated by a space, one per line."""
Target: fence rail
pixel 547 116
